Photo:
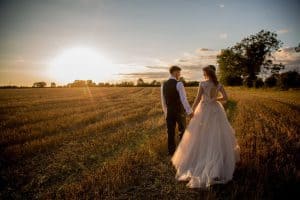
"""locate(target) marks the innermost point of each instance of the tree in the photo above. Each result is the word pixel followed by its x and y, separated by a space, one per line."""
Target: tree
pixel 53 85
pixel 247 58
pixel 297 49
pixel 231 79
pixel 229 70
pixel 228 66
pixel 125 84
pixel 256 51
pixel 82 83
pixel 90 83
pixel 140 82
pixel 39 84
pixel 154 83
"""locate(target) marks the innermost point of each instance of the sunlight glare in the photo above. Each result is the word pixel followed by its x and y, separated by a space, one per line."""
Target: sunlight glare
pixel 80 64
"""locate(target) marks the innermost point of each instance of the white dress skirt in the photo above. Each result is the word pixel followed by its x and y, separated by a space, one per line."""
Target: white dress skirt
pixel 208 150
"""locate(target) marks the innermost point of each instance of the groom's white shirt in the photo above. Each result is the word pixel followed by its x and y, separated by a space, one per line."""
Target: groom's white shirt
pixel 182 95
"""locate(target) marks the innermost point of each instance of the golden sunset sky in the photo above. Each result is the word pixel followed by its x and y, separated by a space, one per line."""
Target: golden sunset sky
pixel 114 40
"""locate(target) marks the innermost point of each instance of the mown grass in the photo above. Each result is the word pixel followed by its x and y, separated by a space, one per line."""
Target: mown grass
pixel 110 143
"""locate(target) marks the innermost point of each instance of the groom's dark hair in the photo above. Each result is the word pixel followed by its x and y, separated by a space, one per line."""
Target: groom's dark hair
pixel 174 68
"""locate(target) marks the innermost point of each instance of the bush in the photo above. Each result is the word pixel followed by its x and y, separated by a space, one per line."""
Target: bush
pixel 248 82
pixel 232 80
pixel 290 79
pixel 271 81
pixel 39 84
pixel 259 83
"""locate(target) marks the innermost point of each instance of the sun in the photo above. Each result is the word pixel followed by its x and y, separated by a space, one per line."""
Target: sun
pixel 80 63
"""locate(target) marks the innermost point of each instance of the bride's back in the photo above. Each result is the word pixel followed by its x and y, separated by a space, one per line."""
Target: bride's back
pixel 210 90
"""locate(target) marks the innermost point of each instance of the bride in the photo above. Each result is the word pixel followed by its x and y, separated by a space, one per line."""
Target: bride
pixel 208 151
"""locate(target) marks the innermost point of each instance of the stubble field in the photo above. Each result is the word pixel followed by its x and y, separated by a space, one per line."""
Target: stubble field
pixel 110 143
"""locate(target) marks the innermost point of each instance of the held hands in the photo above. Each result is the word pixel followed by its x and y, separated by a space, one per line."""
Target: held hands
pixel 191 115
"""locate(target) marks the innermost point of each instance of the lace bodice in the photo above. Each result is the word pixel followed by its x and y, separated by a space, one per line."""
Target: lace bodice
pixel 210 90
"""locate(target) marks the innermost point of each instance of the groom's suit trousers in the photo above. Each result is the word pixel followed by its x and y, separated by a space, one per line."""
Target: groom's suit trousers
pixel 173 119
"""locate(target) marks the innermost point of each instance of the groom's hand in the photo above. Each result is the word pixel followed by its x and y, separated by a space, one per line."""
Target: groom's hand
pixel 191 115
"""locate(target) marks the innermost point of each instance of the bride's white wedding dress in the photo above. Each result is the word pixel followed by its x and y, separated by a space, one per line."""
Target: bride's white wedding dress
pixel 208 150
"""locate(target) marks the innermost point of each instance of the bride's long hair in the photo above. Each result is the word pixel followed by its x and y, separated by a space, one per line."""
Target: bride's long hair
pixel 210 71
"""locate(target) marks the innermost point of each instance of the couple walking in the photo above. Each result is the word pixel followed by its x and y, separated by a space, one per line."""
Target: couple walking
pixel 207 151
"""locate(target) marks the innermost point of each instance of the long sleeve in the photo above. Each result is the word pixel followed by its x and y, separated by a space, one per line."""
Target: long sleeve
pixel 163 101
pixel 183 99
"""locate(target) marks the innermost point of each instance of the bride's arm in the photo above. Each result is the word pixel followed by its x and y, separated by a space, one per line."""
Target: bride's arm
pixel 224 95
pixel 198 98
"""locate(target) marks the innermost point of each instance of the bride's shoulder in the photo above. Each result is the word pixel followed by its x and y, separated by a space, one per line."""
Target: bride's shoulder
pixel 204 83
pixel 201 83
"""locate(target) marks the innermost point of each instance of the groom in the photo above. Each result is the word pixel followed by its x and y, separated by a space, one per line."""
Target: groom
pixel 175 105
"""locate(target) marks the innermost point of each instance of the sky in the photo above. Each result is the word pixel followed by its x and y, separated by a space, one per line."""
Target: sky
pixel 114 40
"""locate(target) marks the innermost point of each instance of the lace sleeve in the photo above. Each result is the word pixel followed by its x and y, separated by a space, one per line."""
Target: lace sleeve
pixel 201 84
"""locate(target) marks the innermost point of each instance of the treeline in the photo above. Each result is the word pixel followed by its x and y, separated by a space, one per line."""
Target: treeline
pixel 154 83
pixel 89 83
pixel 285 80
pixel 247 60
pixel 139 83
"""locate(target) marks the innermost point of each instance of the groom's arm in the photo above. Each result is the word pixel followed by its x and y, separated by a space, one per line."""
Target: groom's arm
pixel 163 101
pixel 183 99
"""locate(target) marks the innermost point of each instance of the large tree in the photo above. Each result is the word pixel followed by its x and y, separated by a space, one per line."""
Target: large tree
pixel 248 57
pixel 229 71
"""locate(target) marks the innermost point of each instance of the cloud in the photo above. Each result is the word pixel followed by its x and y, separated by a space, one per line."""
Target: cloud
pixel 221 5
pixel 146 75
pixel 191 64
pixel 156 67
pixel 204 49
pixel 289 57
pixel 283 31
pixel 223 36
